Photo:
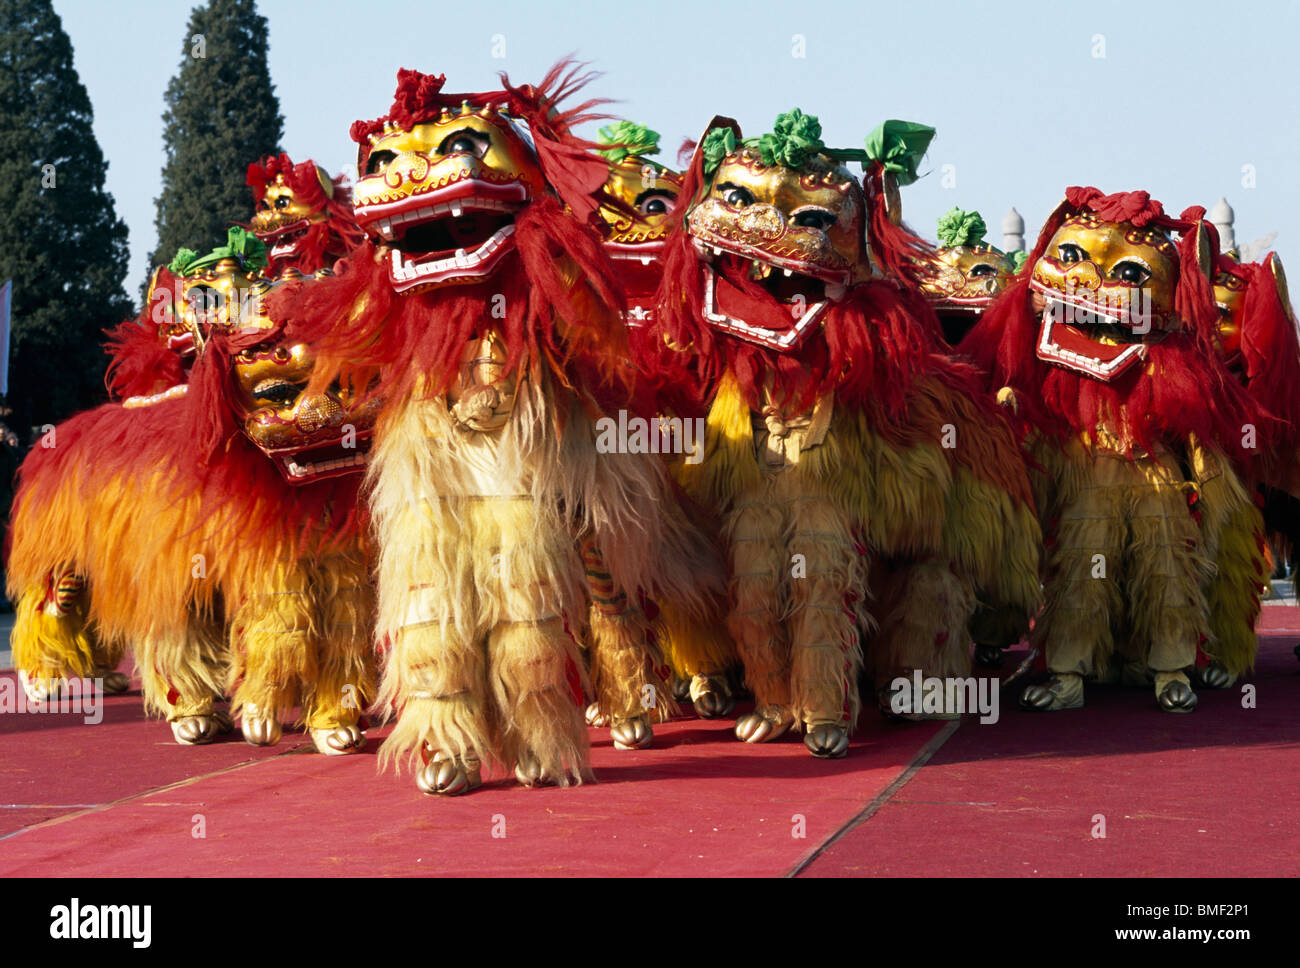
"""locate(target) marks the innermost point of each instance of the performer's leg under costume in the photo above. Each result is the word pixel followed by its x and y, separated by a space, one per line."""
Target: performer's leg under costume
pixel 344 682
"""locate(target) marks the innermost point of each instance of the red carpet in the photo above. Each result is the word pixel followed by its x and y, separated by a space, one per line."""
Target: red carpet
pixel 1209 793
pixel 699 803
pixel 1214 793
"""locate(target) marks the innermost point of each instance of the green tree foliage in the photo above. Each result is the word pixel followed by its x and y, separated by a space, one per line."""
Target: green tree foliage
pixel 61 241
pixel 222 113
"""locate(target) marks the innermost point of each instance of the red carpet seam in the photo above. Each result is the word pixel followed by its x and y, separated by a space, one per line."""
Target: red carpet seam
pixel 918 761
pixel 147 793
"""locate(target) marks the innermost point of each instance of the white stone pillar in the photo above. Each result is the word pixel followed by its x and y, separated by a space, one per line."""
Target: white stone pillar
pixel 1013 231
pixel 1221 216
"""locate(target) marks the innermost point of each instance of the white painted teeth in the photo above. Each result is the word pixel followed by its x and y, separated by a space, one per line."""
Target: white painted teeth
pixel 319 467
pixel 717 250
pixel 787 273
pixel 646 260
pixel 388 226
pixel 461 261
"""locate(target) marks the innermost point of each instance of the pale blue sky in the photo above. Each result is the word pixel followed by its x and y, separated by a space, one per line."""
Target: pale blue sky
pixel 1185 96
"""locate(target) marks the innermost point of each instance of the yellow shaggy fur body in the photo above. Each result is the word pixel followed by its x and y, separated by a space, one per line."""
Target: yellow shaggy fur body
pixel 858 534
pixel 482 589
pixel 1233 530
pixel 48 644
pixel 1131 574
pixel 163 572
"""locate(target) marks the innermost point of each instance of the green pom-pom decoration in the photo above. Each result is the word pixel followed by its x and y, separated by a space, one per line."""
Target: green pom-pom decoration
pixel 1018 259
pixel 718 143
pixel 629 140
pixel 793 138
pixel 899 146
pixel 182 261
pixel 961 228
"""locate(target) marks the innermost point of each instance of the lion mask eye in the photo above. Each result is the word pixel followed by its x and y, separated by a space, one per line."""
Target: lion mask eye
pixel 378 161
pixel 466 141
pixel 1071 253
pixel 735 195
pixel 655 201
pixel 1130 272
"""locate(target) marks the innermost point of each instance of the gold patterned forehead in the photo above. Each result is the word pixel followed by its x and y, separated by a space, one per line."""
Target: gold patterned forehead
pixel 1151 238
pixel 817 171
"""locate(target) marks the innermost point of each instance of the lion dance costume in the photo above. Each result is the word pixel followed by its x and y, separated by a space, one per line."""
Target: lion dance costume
pixel 307 219
pixel 964 274
pixel 235 495
pixel 489 314
pixel 303 217
pixel 862 486
pixel 1104 348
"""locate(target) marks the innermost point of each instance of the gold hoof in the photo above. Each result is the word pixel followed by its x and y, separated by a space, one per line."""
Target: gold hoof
pixel 529 772
pixel 448 777
pixel 259 730
pixel 1064 691
pixel 633 734
pixel 763 725
pixel 827 740
pixel 1215 676
pixel 680 689
pixel 1177 697
pixel 711 697
pixel 338 740
pixel 194 730
pixel 595 717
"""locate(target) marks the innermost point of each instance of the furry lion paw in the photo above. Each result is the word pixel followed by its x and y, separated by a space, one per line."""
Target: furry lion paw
pixel 763 725
pixel 827 740
pixel 680 688
pixel 195 730
pixel 710 697
pixel 338 740
pixel 633 734
pixel 448 777
pixel 1176 697
pixel 529 772
pixel 1064 691
pixel 1215 676
pixel 259 729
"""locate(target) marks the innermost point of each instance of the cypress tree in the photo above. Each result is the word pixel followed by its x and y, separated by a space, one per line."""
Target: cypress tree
pixel 222 113
pixel 61 241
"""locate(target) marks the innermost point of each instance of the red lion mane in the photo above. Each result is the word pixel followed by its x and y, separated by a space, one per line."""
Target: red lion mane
pixel 1182 388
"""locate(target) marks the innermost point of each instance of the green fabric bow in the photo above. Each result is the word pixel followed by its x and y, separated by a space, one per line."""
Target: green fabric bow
pixel 241 245
pixel 628 139
pixel 899 147
pixel 961 228
pixel 718 143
